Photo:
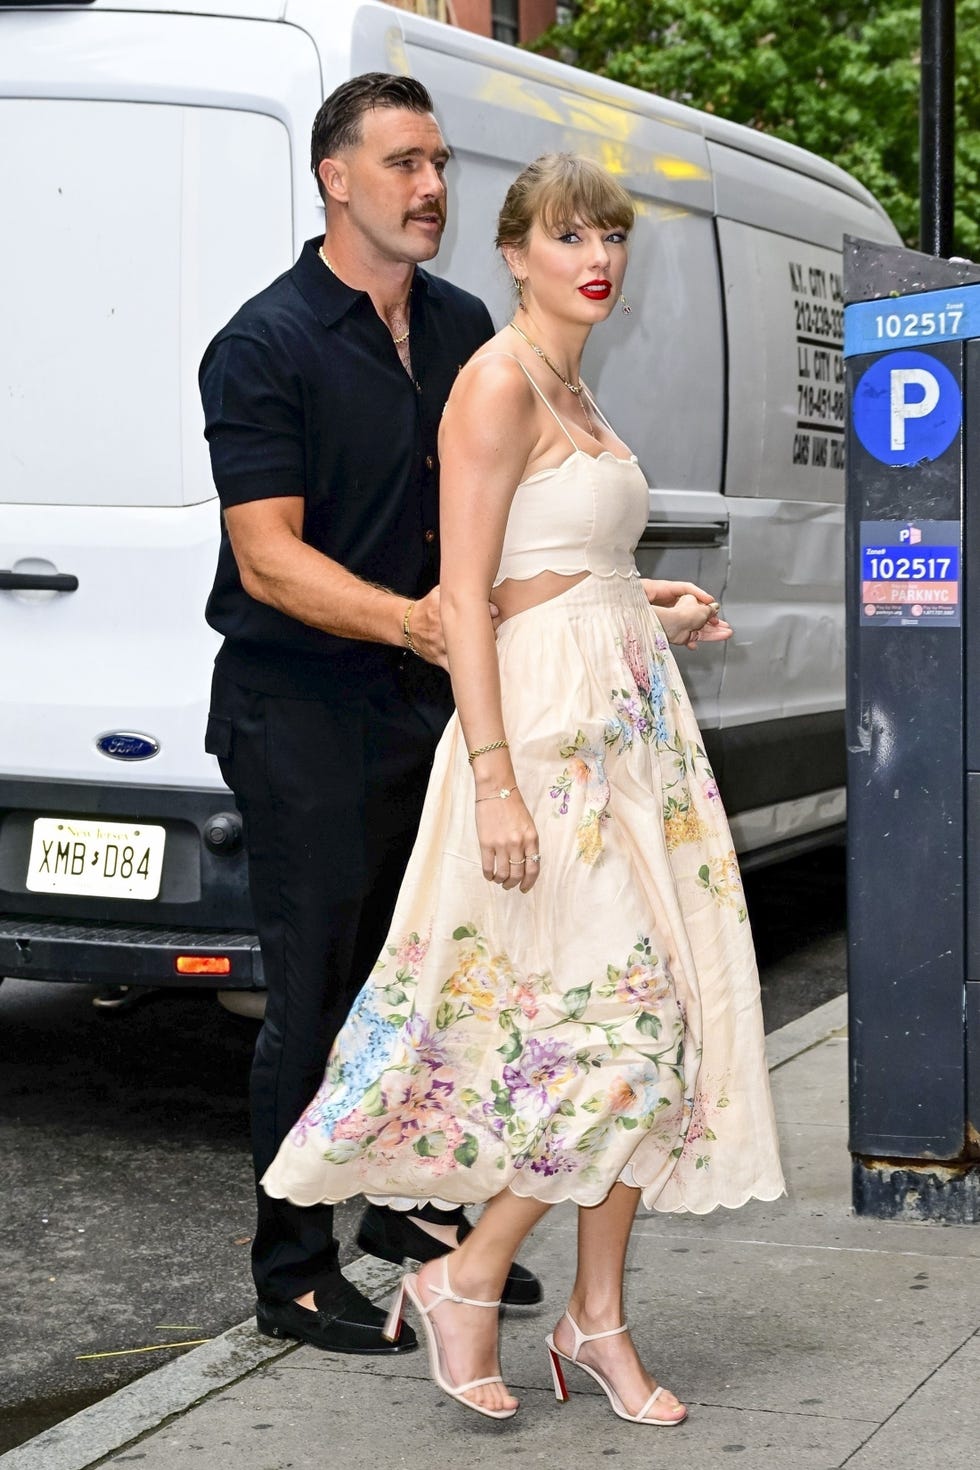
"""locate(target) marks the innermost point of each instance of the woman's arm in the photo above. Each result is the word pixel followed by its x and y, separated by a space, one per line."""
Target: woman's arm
pixel 487 436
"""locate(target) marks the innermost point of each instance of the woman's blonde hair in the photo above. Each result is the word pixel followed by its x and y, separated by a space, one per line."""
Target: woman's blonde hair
pixel 559 189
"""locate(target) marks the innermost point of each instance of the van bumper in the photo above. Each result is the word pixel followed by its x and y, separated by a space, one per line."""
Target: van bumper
pixel 125 954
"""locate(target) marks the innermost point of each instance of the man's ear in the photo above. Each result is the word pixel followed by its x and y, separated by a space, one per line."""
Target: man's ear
pixel 332 173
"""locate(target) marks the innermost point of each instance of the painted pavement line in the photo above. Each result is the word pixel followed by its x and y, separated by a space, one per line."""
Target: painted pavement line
pixel 115 1422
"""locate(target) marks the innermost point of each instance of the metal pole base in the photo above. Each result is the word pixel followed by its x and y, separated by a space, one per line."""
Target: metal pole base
pixel 945 1194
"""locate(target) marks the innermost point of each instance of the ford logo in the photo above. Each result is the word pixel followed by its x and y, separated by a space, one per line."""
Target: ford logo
pixel 124 745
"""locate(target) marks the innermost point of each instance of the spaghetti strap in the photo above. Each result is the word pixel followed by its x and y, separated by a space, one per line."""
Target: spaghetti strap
pixel 599 410
pixel 554 414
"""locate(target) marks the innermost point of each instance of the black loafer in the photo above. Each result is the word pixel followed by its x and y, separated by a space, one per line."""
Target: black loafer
pixel 392 1236
pixel 344 1322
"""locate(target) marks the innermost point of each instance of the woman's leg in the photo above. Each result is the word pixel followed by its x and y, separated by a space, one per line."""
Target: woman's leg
pixel 596 1302
pixel 478 1269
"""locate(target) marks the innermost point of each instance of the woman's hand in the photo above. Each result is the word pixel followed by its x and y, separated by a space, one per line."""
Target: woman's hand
pixel 690 621
pixel 509 847
pixel 667 594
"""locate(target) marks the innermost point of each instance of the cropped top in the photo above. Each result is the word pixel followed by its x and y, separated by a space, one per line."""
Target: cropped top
pixel 583 515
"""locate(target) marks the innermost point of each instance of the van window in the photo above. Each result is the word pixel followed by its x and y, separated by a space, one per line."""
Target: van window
pixel 143 227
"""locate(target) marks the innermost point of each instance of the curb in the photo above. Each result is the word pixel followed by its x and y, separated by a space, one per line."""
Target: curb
pixel 824 1024
pixel 89 1437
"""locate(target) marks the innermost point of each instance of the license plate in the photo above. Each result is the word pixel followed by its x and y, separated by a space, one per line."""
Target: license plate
pixel 103 859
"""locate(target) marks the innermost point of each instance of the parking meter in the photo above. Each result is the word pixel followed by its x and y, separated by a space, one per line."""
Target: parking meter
pixel 912 347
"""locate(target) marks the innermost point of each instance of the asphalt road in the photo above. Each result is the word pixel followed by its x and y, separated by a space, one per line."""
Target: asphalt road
pixel 127 1197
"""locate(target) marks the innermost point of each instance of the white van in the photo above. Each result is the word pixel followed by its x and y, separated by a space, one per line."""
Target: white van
pixel 154 174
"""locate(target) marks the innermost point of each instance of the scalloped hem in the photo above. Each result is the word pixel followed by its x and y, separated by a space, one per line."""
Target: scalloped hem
pixel 764 1193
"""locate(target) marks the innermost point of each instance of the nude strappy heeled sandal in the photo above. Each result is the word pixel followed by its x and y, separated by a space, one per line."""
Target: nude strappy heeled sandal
pixel 616 1403
pixel 409 1286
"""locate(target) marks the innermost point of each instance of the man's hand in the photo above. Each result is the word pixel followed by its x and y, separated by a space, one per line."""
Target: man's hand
pixel 425 623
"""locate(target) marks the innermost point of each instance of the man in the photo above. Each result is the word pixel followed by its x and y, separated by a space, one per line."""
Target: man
pixel 322 398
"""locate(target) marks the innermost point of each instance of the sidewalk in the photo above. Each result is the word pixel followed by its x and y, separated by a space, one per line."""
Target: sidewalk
pixel 800 1337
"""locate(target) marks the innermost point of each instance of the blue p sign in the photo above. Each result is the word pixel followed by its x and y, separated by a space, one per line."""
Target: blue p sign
pixel 907 408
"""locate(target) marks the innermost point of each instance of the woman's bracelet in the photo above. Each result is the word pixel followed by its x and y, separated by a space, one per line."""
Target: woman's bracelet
pixel 500 795
pixel 406 629
pixel 485 749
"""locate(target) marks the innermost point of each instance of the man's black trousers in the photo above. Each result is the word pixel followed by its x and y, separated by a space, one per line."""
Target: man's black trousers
pixel 330 793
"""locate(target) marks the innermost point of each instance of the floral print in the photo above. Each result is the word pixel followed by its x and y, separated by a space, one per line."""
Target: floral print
pixel 638 714
pixel 604 1026
pixel 394 1083
pixel 699 1112
pixel 721 878
pixel 586 768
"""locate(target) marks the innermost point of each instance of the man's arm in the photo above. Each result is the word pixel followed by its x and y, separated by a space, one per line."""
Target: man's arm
pixel 278 567
pixel 254 427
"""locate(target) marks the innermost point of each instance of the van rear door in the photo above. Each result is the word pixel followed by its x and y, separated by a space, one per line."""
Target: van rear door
pixel 146 168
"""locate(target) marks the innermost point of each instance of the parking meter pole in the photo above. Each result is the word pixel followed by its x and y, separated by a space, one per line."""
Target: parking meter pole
pixel 937 126
pixel 913 451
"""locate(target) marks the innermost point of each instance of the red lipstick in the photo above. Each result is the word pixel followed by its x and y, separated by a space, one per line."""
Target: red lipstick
pixel 596 290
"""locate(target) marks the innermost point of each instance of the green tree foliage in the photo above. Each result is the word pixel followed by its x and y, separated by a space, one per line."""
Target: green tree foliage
pixel 842 81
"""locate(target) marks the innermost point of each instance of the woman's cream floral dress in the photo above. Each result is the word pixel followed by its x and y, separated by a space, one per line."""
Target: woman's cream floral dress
pixel 604 1026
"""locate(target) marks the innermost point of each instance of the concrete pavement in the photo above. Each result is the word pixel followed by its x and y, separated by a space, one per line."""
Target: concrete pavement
pixel 799 1336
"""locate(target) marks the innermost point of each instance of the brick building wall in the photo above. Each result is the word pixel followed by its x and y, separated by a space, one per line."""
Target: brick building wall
pixel 520 20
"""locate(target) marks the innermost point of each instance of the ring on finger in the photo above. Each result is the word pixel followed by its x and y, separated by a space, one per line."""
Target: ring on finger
pixel 517 862
pixel 535 857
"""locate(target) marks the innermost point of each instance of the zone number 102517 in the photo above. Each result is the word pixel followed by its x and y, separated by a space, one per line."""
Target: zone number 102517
pixel 908 568
pixel 920 323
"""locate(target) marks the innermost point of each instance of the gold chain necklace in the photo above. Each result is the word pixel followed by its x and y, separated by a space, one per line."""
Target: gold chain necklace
pixel 575 388
pixel 397 340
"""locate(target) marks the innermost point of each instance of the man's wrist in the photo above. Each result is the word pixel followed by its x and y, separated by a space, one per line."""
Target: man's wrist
pixel 407 630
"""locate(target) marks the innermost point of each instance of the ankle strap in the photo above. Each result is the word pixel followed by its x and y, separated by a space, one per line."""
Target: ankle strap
pixel 445 1293
pixel 583 1337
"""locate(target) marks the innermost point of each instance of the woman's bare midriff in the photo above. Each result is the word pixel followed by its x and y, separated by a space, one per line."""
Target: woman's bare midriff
pixel 516 596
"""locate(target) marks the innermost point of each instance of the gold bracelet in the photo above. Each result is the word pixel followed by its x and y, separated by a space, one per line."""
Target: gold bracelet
pixel 484 749
pixel 408 632
pixel 500 795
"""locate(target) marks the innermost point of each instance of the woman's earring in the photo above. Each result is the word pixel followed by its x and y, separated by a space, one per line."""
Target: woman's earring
pixel 520 292
pixel 625 305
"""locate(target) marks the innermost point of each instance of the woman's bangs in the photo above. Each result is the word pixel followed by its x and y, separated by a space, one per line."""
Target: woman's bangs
pixel 585 195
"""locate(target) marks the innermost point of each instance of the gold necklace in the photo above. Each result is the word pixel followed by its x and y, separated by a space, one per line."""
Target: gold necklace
pixel 575 388
pixel 397 340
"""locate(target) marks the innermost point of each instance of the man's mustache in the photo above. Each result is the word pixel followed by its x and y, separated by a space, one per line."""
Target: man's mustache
pixel 434 208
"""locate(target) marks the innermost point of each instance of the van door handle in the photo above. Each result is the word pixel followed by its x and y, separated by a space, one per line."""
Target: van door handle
pixel 38 582
pixel 685 533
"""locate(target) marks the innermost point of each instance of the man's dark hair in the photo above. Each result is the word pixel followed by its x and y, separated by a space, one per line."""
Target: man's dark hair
pixel 338 123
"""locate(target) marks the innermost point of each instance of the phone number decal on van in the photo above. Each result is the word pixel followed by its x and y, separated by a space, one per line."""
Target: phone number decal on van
pixel 933 316
pixel 910 574
pixel 818 318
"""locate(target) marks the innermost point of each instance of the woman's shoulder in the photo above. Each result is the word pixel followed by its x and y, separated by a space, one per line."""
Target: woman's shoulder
pixel 494 374
pixel 491 407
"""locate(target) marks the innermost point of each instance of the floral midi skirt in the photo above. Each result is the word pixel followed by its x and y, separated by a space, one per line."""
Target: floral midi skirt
pixel 605 1026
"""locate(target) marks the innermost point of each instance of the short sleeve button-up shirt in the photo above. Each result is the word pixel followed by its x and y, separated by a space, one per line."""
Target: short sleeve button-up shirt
pixel 305 395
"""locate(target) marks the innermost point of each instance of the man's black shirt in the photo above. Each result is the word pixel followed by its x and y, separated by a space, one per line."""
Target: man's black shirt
pixel 305 395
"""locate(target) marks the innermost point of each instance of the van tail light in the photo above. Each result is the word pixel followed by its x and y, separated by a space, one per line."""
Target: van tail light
pixel 202 964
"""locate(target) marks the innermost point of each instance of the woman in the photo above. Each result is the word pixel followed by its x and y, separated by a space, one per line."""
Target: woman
pixel 568 1005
